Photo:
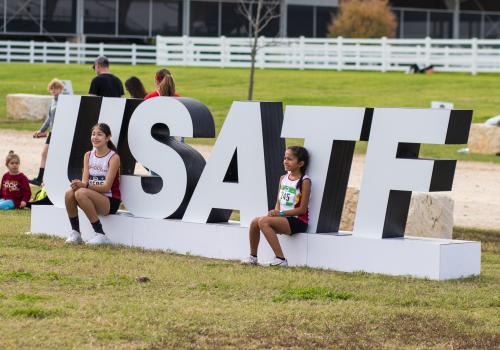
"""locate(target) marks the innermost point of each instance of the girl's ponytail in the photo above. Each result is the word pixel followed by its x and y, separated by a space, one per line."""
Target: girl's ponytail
pixel 166 83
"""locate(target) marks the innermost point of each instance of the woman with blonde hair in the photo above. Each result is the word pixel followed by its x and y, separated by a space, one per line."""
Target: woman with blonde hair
pixel 55 87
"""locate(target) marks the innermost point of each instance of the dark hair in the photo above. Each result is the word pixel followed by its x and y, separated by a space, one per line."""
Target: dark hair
pixel 135 88
pixel 166 83
pixel 302 156
pixel 107 131
pixel 11 155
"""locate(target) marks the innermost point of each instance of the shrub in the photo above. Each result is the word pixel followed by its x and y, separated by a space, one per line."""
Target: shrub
pixel 364 19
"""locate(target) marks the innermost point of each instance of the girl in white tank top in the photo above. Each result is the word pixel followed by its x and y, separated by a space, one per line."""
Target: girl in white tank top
pixel 291 212
pixel 98 193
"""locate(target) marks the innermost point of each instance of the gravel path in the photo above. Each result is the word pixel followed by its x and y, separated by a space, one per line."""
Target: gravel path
pixel 475 191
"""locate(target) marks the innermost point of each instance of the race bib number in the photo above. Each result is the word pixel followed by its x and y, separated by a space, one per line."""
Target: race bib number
pixel 287 196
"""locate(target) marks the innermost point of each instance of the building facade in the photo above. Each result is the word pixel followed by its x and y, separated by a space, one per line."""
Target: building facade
pixel 101 20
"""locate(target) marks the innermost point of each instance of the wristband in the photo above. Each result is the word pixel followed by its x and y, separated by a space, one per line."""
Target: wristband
pixel 282 213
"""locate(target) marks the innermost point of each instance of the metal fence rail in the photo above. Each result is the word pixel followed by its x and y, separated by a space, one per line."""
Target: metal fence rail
pixel 47 52
pixel 471 55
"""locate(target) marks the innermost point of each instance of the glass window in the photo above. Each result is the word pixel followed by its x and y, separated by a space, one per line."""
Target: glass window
pixel 59 16
pixel 233 22
pixel 441 25
pixel 23 16
pixel 167 17
pixel 133 17
pixel 300 21
pixel 2 17
pixel 204 18
pixel 324 17
pixel 99 16
pixel 415 24
pixel 470 26
pixel 492 27
pixel 273 28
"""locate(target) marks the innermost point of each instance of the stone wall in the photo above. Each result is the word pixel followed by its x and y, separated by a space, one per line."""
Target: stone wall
pixel 430 214
pixel 484 139
pixel 27 106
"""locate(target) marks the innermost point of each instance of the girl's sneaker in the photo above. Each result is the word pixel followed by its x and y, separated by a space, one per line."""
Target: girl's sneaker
pixel 279 262
pixel 251 260
pixel 74 238
pixel 99 239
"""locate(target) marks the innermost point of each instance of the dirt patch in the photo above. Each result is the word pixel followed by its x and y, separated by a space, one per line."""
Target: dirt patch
pixel 476 191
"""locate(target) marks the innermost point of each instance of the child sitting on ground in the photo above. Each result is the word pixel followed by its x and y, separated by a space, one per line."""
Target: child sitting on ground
pixel 15 189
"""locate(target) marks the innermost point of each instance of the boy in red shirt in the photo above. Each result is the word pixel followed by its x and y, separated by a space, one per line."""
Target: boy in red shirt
pixel 15 189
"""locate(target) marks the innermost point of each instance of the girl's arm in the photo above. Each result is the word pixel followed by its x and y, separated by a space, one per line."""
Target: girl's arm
pixel 304 201
pixel 85 174
pixel 77 184
pixel 26 190
pixel 114 168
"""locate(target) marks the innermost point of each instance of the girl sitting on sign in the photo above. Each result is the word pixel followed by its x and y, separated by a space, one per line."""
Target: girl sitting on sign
pixel 98 193
pixel 291 213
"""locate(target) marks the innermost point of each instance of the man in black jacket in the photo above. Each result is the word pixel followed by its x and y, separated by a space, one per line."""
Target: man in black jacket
pixel 105 84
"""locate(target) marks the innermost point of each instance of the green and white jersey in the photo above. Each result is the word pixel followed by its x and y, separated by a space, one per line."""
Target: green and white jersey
pixel 290 195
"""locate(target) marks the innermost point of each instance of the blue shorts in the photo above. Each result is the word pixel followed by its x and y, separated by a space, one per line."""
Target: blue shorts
pixel 6 204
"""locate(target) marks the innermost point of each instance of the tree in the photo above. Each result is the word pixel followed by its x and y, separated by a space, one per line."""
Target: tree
pixel 364 19
pixel 258 13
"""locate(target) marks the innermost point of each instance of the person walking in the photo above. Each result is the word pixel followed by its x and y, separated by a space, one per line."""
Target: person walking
pixel 105 84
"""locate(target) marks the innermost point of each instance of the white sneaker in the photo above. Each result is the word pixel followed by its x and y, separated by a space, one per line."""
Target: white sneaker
pixel 251 260
pixel 74 238
pixel 279 262
pixel 99 239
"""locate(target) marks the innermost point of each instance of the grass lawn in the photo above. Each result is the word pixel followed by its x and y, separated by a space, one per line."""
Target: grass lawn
pixel 54 296
pixel 218 88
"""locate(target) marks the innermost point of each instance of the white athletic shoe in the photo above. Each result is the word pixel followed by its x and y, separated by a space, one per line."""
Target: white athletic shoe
pixel 99 239
pixel 279 262
pixel 251 260
pixel 74 238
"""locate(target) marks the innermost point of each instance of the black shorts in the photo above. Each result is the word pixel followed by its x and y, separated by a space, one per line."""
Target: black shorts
pixel 114 204
pixel 296 225
pixel 47 141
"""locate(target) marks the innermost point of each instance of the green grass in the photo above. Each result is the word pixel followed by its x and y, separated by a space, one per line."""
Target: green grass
pixel 218 88
pixel 54 296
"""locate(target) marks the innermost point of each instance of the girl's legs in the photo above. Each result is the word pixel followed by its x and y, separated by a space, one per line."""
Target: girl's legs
pixel 6 204
pixel 45 151
pixel 39 179
pixel 92 203
pixel 254 235
pixel 270 226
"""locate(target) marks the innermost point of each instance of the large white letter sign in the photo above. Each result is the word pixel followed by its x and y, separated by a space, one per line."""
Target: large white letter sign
pixel 393 169
pixel 251 131
pixel 70 140
pixel 179 166
pixel 329 135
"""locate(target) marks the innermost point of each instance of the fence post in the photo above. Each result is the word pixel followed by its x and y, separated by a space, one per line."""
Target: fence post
pixel 32 51
pixel 185 48
pixel 223 52
pixel 161 56
pixel 66 52
pixel 474 56
pixel 428 47
pixel 384 54
pixel 44 59
pixel 101 49
pixel 301 52
pixel 339 53
pixel 134 53
pixel 8 51
pixel 261 53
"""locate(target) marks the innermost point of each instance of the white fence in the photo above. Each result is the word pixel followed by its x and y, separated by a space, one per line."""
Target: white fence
pixel 47 52
pixel 337 53
pixel 472 55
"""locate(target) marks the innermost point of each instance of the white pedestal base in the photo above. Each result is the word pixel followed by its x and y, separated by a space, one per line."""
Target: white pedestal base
pixel 419 257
